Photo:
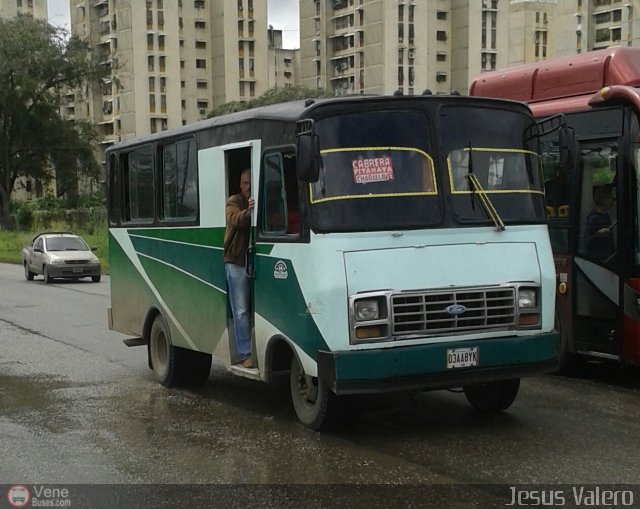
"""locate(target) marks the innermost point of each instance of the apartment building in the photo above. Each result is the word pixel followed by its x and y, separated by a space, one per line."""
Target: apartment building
pixel 377 46
pixel 282 62
pixel 169 61
pixel 12 8
pixel 597 24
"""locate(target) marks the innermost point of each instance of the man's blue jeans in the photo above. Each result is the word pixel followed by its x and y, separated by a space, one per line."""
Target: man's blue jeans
pixel 239 298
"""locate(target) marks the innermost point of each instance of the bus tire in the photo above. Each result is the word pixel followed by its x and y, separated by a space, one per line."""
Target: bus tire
pixel 173 366
pixel 313 402
pixel 492 396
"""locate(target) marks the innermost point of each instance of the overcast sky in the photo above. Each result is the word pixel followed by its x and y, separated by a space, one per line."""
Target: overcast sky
pixel 282 14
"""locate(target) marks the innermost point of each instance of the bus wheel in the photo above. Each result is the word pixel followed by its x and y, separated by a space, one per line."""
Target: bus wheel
pixel 492 396
pixel 173 366
pixel 313 402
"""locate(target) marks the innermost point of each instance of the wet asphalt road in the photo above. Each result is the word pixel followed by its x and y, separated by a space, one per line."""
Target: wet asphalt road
pixel 77 406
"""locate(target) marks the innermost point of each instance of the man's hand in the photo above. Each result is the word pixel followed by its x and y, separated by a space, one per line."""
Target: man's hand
pixel 252 202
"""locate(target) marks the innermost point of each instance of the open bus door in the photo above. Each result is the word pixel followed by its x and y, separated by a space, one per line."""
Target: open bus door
pixel 606 239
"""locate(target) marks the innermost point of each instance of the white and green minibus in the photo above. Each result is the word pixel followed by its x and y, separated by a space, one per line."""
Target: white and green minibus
pixel 397 243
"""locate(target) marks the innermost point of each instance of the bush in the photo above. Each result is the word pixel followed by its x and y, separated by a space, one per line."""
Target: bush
pixel 24 216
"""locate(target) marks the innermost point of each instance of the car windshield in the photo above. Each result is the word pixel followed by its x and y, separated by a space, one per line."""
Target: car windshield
pixel 66 244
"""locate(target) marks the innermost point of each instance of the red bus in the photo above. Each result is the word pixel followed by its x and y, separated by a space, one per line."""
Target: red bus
pixel 593 200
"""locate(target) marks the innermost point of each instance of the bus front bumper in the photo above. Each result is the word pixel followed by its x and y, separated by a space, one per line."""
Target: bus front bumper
pixel 424 367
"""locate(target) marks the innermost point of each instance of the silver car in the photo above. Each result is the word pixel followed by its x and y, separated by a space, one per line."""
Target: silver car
pixel 60 255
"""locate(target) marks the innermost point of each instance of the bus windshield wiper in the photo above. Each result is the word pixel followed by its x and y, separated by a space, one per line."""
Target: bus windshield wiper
pixel 481 195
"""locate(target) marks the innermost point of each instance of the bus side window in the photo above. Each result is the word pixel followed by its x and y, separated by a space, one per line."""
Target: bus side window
pixel 280 210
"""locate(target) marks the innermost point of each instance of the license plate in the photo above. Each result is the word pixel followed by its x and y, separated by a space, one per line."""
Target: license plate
pixel 77 270
pixel 462 357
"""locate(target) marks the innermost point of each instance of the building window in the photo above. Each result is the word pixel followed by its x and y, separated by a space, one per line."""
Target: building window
pixel 198 4
pixel 400 32
pixel 241 89
pixel 162 62
pixel 616 34
pixel 441 57
pixel 200 25
pixel 163 103
pixel 161 42
pixel 401 13
pixel 441 15
pixel 150 42
pixel 160 19
pixel 252 88
pixel 150 63
pixel 163 85
pixel 201 63
pixel 152 84
pixel 441 35
pixel 152 103
pixel 201 45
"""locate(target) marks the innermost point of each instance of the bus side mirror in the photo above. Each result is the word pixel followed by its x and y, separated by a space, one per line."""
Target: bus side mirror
pixel 308 157
pixel 308 151
pixel 568 148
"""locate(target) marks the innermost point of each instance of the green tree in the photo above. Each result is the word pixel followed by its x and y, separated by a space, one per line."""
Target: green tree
pixel 37 62
pixel 271 96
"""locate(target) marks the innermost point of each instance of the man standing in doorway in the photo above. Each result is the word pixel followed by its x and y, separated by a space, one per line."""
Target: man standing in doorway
pixel 236 242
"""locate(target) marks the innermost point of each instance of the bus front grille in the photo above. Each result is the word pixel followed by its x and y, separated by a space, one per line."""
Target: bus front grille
pixel 453 311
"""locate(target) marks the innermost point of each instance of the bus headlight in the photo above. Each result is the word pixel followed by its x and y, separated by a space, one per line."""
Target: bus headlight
pixel 527 299
pixel 528 310
pixel 366 310
pixel 369 317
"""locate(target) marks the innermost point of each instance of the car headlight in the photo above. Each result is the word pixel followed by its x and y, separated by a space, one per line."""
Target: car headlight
pixel 366 310
pixel 527 299
pixel 56 261
pixel 94 259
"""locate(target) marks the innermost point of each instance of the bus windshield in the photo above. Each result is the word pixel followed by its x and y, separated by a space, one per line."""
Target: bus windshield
pixel 491 145
pixel 376 173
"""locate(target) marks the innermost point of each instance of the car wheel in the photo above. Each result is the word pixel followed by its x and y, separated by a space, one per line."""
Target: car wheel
pixel 315 404
pixel 173 366
pixel 47 278
pixel 492 396
pixel 28 275
pixel 95 279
